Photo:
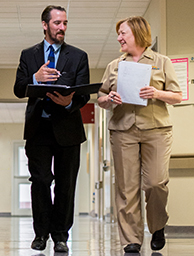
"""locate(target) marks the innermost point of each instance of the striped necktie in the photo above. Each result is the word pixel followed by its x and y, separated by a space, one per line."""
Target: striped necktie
pixel 51 57
pixel 47 101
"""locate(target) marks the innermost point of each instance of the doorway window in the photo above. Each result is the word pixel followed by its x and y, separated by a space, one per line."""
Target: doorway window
pixel 21 197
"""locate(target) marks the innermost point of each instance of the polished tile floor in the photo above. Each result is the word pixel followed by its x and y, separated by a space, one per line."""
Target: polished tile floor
pixel 89 236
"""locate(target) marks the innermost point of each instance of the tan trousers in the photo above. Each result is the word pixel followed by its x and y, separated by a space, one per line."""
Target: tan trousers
pixel 141 161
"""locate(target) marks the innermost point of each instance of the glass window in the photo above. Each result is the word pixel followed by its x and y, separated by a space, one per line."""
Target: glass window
pixel 23 162
pixel 24 196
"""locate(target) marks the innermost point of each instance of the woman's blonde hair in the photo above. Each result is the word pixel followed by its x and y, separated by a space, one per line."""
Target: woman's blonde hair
pixel 140 29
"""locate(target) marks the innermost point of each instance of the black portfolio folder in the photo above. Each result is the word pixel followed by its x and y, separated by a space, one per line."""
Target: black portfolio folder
pixel 40 90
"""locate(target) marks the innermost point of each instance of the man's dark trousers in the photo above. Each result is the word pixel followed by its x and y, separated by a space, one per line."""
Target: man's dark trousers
pixel 55 218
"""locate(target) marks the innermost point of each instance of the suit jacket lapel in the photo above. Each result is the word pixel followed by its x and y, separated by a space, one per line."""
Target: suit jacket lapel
pixel 39 54
pixel 63 57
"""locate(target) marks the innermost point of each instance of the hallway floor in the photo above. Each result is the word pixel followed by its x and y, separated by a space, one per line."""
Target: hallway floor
pixel 89 236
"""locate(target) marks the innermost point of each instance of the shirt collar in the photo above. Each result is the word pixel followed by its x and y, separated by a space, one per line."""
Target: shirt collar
pixel 55 46
pixel 148 53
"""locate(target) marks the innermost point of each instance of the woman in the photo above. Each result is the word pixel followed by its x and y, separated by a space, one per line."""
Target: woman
pixel 141 137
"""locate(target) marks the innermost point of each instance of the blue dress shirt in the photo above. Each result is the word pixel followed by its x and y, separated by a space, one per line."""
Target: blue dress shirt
pixel 57 48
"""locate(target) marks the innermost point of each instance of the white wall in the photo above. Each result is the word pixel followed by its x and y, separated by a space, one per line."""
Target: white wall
pixel 156 16
pixel 180 36
pixel 176 33
pixel 8 134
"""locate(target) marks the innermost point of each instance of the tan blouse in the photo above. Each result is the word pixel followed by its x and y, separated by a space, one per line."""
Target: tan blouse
pixel 155 114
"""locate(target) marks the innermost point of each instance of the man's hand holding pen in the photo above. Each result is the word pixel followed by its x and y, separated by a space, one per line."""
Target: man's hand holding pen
pixel 46 74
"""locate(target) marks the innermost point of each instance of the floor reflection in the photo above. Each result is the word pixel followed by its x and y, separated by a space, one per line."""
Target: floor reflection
pixel 89 236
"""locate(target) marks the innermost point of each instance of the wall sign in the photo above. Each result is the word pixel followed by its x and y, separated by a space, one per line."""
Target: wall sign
pixel 87 113
pixel 181 69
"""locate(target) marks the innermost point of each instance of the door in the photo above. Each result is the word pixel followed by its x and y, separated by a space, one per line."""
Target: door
pixel 105 186
pixel 21 198
pixel 21 186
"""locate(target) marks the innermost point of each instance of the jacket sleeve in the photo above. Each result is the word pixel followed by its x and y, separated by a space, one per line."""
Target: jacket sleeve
pixel 23 77
pixel 82 77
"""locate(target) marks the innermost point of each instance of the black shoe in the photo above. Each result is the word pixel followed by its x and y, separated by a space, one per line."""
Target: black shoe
pixel 158 240
pixel 61 247
pixel 39 243
pixel 132 248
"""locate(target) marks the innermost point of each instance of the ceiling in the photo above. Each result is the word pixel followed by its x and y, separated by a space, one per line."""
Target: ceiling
pixel 91 27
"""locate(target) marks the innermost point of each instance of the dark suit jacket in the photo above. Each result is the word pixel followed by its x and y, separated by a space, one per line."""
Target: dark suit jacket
pixel 67 124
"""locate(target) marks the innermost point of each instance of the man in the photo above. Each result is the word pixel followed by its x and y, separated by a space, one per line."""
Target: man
pixel 53 128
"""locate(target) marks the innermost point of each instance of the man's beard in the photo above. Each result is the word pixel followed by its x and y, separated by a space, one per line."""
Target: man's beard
pixel 54 39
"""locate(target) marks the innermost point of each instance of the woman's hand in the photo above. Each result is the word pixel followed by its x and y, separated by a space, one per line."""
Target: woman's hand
pixel 114 98
pixel 148 92
pixel 110 99
pixel 170 97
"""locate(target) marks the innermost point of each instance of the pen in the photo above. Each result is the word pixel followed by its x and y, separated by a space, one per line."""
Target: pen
pixel 60 74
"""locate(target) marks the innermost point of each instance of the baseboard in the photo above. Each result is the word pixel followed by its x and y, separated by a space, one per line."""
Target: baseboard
pixel 83 214
pixel 5 214
pixel 179 231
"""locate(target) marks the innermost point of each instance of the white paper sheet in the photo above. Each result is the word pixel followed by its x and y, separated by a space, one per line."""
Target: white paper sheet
pixel 132 76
